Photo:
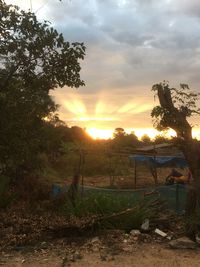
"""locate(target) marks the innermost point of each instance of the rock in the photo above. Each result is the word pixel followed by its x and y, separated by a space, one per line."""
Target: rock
pixel 43 245
pixel 145 225
pixel 95 249
pixel 103 257
pixel 65 262
pixel 197 237
pixel 95 240
pixel 135 238
pixel 182 243
pixel 78 256
pixel 135 232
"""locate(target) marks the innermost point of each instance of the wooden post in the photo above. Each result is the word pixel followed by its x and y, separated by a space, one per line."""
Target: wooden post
pixel 82 173
pixel 135 177
pixel 156 176
pixel 177 198
pixel 155 169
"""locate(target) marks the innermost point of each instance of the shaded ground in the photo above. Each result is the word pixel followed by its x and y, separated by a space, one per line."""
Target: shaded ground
pixel 135 255
pixel 34 247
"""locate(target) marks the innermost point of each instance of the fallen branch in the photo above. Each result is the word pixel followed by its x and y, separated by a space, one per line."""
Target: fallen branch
pixel 89 225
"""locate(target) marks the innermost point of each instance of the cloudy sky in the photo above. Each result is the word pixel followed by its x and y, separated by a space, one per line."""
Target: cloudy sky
pixel 131 44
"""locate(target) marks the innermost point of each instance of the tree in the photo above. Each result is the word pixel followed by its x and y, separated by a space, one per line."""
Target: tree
pixel 159 139
pixel 34 59
pixel 146 139
pixel 176 106
pixel 123 140
pixel 119 132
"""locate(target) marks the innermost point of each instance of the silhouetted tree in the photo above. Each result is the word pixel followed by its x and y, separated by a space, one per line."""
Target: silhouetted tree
pixel 124 140
pixel 159 139
pixel 146 139
pixel 119 132
pixel 34 59
pixel 176 106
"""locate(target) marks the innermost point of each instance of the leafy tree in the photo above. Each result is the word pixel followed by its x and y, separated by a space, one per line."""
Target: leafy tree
pixel 34 59
pixel 79 135
pixel 123 140
pixel 119 132
pixel 146 139
pixel 159 139
pixel 176 106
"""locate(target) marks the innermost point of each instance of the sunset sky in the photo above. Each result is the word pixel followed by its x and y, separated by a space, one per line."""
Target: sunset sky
pixel 131 44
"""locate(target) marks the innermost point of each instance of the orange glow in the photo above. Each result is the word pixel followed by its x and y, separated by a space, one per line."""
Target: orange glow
pixel 104 114
pixel 100 133
pixel 96 133
pixel 151 132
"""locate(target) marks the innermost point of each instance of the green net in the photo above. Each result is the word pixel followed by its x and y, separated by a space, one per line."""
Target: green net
pixel 173 195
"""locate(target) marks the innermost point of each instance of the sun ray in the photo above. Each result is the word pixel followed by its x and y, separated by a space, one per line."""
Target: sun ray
pixel 75 106
pixel 94 119
pixel 100 107
pixel 127 107
pixel 141 108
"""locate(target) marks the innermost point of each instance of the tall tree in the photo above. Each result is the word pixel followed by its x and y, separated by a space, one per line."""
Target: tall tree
pixel 176 106
pixel 146 139
pixel 34 59
pixel 119 132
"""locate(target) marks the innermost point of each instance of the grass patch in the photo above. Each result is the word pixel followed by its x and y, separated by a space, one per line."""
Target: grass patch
pixel 107 204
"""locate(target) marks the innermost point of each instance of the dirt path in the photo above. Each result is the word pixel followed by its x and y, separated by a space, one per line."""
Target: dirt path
pixel 147 255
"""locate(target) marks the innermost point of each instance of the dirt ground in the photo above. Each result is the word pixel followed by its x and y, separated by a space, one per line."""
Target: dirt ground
pixel 147 255
pixel 144 179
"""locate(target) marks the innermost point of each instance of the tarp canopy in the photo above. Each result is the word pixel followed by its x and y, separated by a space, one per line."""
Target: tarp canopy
pixel 161 161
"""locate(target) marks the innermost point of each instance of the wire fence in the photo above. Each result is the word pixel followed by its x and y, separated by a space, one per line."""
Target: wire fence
pixel 173 195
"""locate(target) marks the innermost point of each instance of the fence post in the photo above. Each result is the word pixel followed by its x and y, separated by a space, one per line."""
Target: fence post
pixel 177 198
pixel 135 174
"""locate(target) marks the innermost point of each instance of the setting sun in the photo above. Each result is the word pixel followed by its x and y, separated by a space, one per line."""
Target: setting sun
pixel 96 133
pixel 100 133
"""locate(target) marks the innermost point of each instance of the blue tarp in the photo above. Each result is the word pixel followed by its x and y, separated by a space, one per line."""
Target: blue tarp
pixel 161 161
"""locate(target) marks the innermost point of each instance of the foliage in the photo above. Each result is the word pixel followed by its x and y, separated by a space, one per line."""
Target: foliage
pixel 119 132
pixel 159 139
pixel 107 204
pixel 146 139
pixel 123 140
pixel 175 104
pixel 34 59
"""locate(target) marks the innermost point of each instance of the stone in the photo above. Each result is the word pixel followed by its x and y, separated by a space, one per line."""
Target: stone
pixel 135 232
pixel 103 257
pixel 78 256
pixel 197 237
pixel 95 240
pixel 182 243
pixel 145 225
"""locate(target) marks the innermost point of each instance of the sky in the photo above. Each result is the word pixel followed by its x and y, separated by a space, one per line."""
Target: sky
pixel 131 45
